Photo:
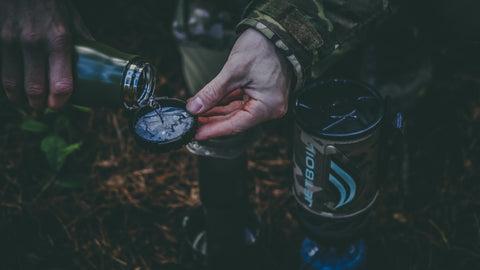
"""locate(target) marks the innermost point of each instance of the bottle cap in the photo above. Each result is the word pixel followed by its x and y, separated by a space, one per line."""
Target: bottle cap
pixel 163 125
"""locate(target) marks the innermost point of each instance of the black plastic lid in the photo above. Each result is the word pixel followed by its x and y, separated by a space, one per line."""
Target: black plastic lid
pixel 163 125
pixel 338 108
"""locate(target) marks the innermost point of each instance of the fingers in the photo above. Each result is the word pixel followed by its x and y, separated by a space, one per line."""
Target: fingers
pixel 234 124
pixel 213 93
pixel 35 51
pixel 235 95
pixel 238 121
pixel 34 78
pixel 224 110
pixel 60 67
pixel 33 61
pixel 236 100
pixel 34 70
pixel 11 58
pixel 12 72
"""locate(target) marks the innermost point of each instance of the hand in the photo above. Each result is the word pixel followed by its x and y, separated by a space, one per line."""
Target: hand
pixel 36 48
pixel 252 87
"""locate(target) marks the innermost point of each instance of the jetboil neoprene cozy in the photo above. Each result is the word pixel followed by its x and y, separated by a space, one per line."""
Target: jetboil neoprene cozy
pixel 336 157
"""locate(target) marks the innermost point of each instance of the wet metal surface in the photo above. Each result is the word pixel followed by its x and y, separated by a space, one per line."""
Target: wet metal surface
pixel 164 124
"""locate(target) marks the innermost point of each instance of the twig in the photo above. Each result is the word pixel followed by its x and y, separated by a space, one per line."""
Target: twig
pixel 119 261
pixel 11 205
pixel 64 227
pixel 467 251
pixel 405 168
pixel 118 131
pixel 45 187
pixel 477 222
pixel 444 238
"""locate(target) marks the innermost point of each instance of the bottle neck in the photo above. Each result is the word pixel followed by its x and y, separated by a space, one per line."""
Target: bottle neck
pixel 139 84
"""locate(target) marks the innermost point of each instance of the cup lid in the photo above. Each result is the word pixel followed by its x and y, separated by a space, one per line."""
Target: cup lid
pixel 163 125
pixel 338 108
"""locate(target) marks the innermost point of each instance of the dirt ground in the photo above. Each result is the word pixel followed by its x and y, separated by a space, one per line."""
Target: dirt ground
pixel 129 214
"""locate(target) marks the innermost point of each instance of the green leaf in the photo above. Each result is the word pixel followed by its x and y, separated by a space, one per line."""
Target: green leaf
pixel 54 148
pixel 49 111
pixel 61 123
pixel 82 108
pixel 34 126
pixel 72 180
pixel 72 147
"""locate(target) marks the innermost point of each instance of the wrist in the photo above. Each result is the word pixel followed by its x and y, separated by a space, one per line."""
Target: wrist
pixel 296 71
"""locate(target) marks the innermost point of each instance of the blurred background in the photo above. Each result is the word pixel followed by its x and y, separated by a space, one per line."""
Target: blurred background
pixel 111 205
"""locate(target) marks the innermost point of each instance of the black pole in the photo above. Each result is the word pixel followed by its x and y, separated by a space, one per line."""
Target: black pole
pixel 224 196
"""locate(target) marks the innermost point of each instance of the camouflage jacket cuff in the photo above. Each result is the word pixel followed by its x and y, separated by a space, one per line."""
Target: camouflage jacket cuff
pixel 314 34
pixel 280 38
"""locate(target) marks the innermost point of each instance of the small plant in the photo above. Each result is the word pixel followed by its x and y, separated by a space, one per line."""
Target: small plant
pixel 56 148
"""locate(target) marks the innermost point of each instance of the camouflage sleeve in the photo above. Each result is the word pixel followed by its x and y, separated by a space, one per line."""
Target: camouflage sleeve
pixel 313 33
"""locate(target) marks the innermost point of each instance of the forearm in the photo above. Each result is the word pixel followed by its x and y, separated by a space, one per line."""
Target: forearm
pixel 313 33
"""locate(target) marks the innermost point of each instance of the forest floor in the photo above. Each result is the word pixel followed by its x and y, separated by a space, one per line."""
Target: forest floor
pixel 129 214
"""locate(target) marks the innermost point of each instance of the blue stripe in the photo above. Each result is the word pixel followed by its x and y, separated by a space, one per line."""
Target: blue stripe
pixel 341 189
pixel 348 179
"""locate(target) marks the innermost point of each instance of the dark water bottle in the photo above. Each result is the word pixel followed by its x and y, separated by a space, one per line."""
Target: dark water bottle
pixel 104 76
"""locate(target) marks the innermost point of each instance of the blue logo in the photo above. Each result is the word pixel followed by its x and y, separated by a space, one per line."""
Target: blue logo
pixel 344 199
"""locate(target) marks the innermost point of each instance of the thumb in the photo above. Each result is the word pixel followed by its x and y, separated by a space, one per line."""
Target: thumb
pixel 212 93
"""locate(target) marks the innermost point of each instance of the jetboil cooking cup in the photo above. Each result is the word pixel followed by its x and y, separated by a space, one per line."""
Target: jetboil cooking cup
pixel 336 154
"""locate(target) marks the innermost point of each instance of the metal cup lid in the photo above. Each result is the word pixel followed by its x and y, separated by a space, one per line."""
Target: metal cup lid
pixel 338 108
pixel 163 125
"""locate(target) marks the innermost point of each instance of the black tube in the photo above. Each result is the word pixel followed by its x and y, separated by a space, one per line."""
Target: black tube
pixel 224 195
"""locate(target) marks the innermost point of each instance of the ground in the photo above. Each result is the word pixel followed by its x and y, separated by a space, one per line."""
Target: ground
pixel 129 214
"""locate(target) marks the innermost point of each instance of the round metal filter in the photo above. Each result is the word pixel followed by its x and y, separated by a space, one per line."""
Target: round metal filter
pixel 163 125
